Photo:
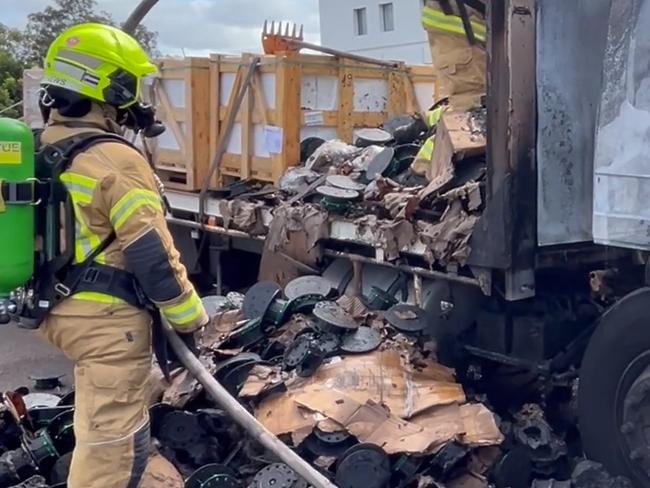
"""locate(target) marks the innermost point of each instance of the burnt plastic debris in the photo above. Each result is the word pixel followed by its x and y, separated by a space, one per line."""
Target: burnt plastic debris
pixel 363 466
pixel 275 476
pixel 213 476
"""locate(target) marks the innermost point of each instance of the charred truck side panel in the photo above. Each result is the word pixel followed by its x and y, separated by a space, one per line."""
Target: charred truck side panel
pixel 555 298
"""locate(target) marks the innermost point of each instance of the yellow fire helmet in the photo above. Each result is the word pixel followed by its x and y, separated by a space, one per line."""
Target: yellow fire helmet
pixel 100 62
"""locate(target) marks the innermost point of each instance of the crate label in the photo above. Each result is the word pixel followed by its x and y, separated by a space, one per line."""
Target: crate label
pixel 314 118
pixel 10 152
pixel 273 137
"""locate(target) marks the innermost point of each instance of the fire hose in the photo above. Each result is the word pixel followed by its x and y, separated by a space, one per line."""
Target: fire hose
pixel 240 415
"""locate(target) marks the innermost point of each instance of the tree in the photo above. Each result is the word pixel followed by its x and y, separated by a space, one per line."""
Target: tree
pixel 11 70
pixel 43 27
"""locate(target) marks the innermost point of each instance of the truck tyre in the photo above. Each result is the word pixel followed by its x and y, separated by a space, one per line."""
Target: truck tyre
pixel 614 391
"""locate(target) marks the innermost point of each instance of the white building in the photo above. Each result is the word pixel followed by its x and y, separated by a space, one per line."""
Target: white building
pixel 377 28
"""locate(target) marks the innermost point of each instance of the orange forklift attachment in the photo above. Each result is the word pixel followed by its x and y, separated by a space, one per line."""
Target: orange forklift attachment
pixel 276 41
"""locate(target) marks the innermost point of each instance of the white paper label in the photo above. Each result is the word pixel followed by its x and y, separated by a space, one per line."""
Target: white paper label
pixel 314 118
pixel 273 137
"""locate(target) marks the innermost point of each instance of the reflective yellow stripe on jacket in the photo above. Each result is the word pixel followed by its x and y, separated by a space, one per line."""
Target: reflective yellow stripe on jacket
pixel 81 189
pixel 130 202
pixel 183 313
pixel 434 19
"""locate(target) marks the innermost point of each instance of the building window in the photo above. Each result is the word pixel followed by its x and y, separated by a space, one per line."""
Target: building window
pixel 360 22
pixel 386 16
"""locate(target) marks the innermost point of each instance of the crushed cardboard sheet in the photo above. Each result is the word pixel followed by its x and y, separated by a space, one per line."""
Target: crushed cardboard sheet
pixel 220 326
pixel 184 387
pixel 380 398
pixel 392 235
pixel 470 193
pixel 242 215
pixel 160 473
pixel 292 238
pixel 355 307
pixel 457 138
pixel 261 379
pixel 448 240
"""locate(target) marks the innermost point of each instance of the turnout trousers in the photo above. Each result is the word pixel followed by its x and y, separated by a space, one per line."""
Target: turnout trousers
pixel 111 349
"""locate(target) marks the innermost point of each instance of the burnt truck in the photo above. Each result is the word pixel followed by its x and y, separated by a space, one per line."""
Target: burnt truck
pixel 554 298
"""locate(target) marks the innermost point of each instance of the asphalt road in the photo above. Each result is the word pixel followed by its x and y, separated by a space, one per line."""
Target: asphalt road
pixel 23 354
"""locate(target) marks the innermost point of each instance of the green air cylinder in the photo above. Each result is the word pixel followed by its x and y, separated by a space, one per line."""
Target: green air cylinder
pixel 16 220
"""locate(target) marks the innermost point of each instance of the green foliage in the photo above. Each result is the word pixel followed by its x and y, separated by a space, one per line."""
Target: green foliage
pixel 43 27
pixel 11 71
pixel 20 50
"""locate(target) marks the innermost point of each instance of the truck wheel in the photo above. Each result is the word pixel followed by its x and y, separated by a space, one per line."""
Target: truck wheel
pixel 614 393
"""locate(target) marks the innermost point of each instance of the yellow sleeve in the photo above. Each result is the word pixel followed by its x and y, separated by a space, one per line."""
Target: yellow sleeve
pixel 136 214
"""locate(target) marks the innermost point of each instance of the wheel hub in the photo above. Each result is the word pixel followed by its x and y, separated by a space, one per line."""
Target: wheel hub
pixel 635 424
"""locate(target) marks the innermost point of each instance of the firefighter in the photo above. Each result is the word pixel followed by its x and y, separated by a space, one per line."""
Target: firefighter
pixel 93 79
pixel 460 66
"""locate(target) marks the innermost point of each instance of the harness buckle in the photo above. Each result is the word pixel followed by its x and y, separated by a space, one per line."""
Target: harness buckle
pixel 90 275
pixel 62 290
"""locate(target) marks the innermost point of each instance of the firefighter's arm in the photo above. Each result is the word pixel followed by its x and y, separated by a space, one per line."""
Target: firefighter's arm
pixel 136 214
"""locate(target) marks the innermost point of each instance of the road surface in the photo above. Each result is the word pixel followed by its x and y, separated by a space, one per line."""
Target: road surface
pixel 23 354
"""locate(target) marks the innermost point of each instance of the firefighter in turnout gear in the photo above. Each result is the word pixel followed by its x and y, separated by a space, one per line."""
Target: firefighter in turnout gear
pixel 458 54
pixel 92 84
pixel 457 33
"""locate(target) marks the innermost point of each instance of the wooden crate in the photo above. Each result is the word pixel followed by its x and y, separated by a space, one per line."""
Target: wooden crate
pixel 295 96
pixel 180 93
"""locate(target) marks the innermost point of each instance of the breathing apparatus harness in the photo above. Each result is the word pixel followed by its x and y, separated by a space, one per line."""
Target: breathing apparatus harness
pixel 56 276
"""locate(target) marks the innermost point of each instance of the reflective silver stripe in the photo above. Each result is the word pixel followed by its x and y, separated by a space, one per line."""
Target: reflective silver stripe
pixel 83 59
pixel 69 69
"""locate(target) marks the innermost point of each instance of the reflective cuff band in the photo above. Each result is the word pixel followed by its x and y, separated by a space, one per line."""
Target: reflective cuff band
pixel 433 19
pixel 189 311
pixel 81 187
pixel 130 202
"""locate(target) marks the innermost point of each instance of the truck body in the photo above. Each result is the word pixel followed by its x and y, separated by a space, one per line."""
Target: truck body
pixel 554 287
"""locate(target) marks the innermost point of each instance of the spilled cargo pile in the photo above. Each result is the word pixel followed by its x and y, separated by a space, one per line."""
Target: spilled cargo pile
pixel 406 182
pixel 350 382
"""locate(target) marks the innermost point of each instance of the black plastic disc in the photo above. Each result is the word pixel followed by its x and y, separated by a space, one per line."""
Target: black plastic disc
pixel 364 339
pixel 363 466
pixel 330 444
pixel 329 343
pixel 67 400
pixel 61 469
pixel 157 414
pixel 334 193
pixel 61 431
pixel 297 351
pixel 370 137
pixel 407 318
pixel 275 476
pixel 308 285
pixel 334 318
pixel 213 476
pixel 345 182
pixel 380 163
pixel 180 430
pixel 241 364
pixel 259 298
pixel 236 377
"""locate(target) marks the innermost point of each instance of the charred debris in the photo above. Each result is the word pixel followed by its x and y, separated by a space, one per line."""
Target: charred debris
pixel 338 361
